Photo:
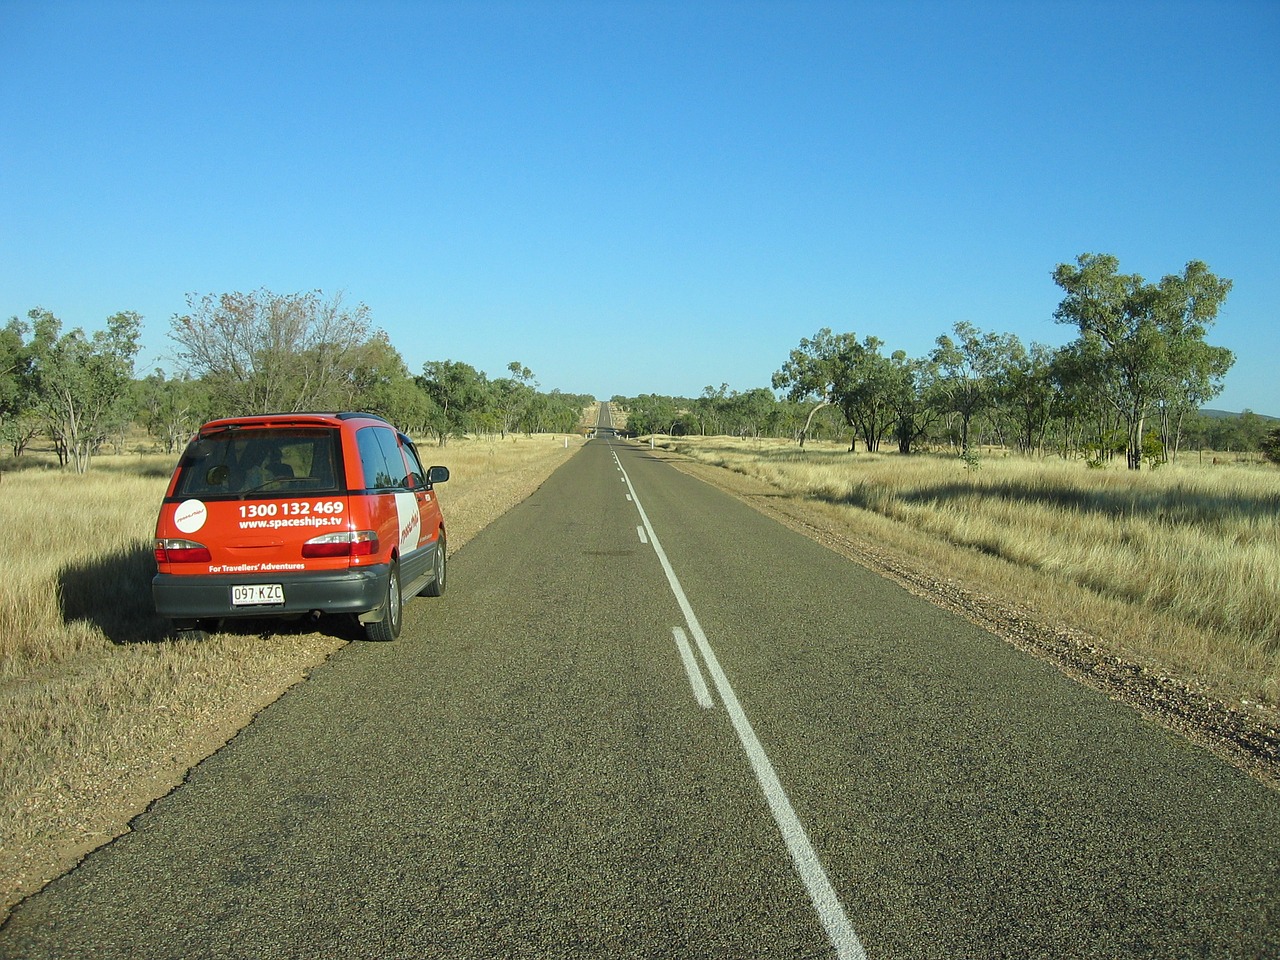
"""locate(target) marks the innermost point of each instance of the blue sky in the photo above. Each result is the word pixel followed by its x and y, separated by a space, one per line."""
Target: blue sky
pixel 634 197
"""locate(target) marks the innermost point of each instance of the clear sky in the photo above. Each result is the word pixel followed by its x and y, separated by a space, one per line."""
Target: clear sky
pixel 632 197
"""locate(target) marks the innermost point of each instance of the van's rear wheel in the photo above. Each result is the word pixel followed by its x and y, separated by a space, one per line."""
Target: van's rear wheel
pixel 436 587
pixel 388 628
pixel 195 630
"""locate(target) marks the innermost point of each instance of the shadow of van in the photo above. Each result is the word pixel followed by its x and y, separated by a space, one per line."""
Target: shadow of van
pixel 112 591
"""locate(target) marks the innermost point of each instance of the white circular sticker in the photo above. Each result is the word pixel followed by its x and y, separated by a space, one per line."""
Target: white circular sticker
pixel 190 516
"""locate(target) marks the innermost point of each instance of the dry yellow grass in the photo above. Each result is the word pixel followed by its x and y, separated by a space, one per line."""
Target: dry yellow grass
pixel 100 713
pixel 1183 561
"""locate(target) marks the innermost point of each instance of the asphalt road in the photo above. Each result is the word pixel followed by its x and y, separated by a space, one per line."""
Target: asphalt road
pixel 648 722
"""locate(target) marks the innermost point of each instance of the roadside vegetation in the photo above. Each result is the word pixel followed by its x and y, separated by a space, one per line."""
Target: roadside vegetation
pixel 238 354
pixel 1133 384
pixel 100 711
pixel 1178 568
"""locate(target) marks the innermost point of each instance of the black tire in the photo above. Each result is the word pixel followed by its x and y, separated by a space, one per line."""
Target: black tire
pixel 388 628
pixel 436 587
pixel 196 631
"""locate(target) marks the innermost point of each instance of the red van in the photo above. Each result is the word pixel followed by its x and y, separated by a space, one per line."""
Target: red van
pixel 298 514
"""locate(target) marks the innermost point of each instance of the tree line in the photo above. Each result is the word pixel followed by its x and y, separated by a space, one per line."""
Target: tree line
pixel 759 413
pixel 237 354
pixel 1132 383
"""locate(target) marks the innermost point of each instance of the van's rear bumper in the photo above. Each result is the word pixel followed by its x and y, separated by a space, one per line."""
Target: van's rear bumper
pixel 208 596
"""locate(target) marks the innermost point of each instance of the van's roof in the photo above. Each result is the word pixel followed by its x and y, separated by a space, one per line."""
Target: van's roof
pixel 287 420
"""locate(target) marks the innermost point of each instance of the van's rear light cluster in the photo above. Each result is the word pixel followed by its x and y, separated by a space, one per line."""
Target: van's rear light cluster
pixel 349 543
pixel 181 551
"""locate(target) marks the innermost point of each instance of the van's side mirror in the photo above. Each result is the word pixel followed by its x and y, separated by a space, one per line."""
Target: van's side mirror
pixel 437 475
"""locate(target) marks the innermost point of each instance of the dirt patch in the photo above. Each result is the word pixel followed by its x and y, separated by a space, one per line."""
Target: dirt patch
pixel 1245 735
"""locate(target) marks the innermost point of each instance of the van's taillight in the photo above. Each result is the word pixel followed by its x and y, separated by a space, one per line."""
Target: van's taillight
pixel 181 551
pixel 349 543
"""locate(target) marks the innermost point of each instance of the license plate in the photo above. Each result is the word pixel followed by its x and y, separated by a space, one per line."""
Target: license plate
pixel 257 595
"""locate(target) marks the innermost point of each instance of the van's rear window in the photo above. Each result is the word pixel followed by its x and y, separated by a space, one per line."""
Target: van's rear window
pixel 261 461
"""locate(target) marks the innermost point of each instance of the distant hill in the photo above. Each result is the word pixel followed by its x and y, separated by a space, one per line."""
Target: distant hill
pixel 1228 415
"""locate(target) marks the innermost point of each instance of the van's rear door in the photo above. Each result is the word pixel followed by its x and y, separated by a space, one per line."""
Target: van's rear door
pixel 255 495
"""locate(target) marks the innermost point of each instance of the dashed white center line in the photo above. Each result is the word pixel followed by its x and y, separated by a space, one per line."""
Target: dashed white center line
pixel 700 691
pixel 822 894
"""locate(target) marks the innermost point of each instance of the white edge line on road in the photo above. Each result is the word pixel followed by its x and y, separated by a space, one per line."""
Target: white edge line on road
pixel 700 691
pixel 821 893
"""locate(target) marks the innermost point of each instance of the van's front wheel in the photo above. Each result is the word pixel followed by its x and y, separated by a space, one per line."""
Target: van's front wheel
pixel 388 628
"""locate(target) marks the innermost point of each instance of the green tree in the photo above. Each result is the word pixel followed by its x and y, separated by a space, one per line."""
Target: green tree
pixel 171 409
pixel 789 418
pixel 708 409
pixel 750 413
pixel 81 383
pixel 459 391
pixel 837 370
pixel 379 382
pixel 14 366
pixel 19 422
pixel 1088 423
pixel 815 372
pixel 1252 430
pixel 554 412
pixel 912 398
pixel 967 366
pixel 513 400
pixel 1141 337
pixel 867 391
pixel 1195 376
pixel 263 352
pixel 651 413
pixel 1025 392
pixel 1271 445
pixel 1224 434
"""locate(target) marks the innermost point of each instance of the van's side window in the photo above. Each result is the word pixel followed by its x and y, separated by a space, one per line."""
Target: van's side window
pixel 395 462
pixel 418 475
pixel 380 471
